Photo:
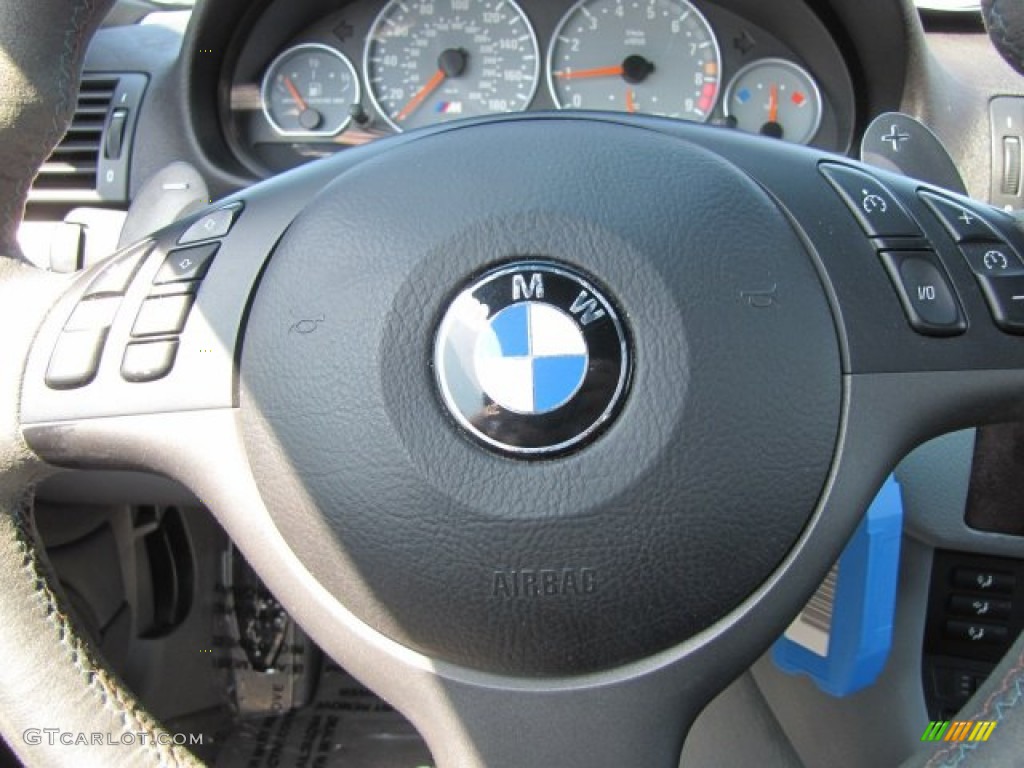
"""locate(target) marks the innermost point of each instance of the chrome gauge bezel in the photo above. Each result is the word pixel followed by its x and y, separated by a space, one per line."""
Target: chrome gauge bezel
pixel 549 67
pixel 383 13
pixel 786 64
pixel 267 84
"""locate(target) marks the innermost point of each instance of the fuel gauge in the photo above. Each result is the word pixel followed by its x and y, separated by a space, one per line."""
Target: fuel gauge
pixel 309 90
pixel 777 98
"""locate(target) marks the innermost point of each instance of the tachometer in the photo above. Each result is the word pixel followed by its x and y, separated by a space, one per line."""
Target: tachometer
pixel 309 90
pixel 658 57
pixel 428 61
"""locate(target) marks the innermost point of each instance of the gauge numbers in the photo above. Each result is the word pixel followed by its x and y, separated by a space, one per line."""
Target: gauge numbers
pixel 430 61
pixel 657 57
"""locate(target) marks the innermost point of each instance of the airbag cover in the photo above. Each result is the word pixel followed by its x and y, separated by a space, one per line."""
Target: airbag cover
pixel 566 565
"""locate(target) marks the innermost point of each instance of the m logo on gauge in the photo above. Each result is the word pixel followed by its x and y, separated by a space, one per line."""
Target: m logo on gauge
pixel 532 360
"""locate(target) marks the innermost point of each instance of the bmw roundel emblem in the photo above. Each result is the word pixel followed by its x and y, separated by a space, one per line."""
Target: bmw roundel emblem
pixel 532 359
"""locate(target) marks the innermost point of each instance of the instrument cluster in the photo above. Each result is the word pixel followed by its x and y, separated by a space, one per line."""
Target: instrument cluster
pixel 309 81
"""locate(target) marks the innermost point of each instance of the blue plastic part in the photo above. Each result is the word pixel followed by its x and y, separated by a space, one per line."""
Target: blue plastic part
pixel 864 605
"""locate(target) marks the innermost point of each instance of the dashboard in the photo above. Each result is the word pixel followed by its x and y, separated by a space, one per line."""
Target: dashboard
pixel 310 78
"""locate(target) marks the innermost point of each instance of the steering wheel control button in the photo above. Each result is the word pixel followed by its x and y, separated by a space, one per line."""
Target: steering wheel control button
pixel 93 314
pixel 961 222
pixel 1005 297
pixel 532 359
pixel 874 206
pixel 186 264
pixel 148 360
pixel 116 276
pixel 925 292
pixel 992 259
pixel 162 316
pixel 212 225
pixel 174 289
pixel 75 359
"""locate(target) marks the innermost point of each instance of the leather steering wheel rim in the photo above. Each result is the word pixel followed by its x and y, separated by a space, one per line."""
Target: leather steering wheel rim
pixel 51 678
pixel 1004 21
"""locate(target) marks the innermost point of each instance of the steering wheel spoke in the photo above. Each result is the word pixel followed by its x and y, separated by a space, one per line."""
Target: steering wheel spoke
pixel 927 286
pixel 156 327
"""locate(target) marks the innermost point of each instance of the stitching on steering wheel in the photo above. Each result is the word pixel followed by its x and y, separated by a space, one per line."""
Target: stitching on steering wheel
pixel 1010 45
pixel 109 690
pixel 73 46
pixel 73 40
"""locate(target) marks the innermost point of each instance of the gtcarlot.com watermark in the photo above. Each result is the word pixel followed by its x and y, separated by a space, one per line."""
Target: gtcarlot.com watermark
pixel 55 736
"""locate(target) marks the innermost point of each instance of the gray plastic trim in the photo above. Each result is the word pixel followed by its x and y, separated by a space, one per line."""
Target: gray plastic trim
pixel 472 719
pixel 935 479
pixel 892 710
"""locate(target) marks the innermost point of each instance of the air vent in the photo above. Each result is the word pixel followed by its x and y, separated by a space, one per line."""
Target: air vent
pixel 82 168
pixel 73 166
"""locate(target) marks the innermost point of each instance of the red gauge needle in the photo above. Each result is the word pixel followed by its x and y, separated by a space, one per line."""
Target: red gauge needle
pixel 295 94
pixel 431 85
pixel 596 72
pixel 773 104
pixel 630 100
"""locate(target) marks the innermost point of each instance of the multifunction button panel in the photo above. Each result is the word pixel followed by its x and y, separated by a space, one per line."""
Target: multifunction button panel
pixel 912 262
pixel 76 355
pixel 997 266
pixel 975 612
pixel 157 322
pixel 920 280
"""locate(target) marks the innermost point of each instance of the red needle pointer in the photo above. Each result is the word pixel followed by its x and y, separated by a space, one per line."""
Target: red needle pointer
pixel 630 100
pixel 431 85
pixel 295 94
pixel 773 104
pixel 596 72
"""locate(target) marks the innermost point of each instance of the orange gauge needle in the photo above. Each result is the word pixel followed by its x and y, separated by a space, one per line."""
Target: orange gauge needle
pixel 773 104
pixel 431 85
pixel 577 74
pixel 295 94
pixel 630 100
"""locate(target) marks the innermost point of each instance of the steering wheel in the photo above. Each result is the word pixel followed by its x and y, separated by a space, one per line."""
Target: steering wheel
pixel 544 427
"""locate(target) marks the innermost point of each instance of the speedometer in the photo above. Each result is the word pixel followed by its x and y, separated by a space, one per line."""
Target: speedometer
pixel 429 61
pixel 658 57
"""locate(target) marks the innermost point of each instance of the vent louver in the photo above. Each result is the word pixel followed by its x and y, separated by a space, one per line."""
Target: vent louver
pixel 71 171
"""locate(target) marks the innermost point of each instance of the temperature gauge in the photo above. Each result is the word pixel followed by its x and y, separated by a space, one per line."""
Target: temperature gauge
pixel 776 98
pixel 309 90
